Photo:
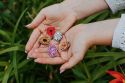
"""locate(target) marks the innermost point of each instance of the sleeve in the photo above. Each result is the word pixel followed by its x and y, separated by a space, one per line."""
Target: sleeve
pixel 118 40
pixel 116 5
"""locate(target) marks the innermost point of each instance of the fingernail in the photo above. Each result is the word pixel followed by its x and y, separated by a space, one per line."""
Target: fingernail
pixel 26 51
pixel 35 60
pixel 61 71
pixel 30 55
pixel 28 58
pixel 28 26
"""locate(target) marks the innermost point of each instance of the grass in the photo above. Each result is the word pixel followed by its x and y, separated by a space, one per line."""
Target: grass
pixel 15 68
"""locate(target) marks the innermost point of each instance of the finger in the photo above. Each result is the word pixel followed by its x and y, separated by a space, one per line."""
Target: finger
pixel 78 51
pixel 67 23
pixel 48 22
pixel 64 54
pixel 40 31
pixel 43 46
pixel 37 20
pixel 52 61
pixel 69 64
pixel 53 42
pixel 33 38
pixel 30 53
pixel 41 50
pixel 36 45
pixel 39 55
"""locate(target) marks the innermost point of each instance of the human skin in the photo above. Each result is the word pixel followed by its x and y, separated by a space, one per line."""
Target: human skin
pixel 81 38
pixel 63 15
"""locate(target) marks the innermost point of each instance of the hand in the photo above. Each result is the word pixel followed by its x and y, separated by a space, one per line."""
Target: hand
pixel 51 15
pixel 55 15
pixel 81 37
pixel 69 58
pixel 63 15
pixel 67 12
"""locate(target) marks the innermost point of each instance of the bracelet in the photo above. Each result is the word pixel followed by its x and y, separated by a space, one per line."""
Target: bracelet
pixel 119 34
pixel 116 5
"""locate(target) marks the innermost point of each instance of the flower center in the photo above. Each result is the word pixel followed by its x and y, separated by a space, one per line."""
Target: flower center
pixel 45 40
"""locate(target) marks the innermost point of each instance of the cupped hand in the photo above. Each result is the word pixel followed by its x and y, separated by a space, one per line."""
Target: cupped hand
pixel 55 15
pixel 79 39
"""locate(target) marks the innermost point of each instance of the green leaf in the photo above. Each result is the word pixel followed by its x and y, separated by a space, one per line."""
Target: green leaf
pixel 102 70
pixel 79 81
pixel 16 26
pixel 1 4
pixel 7 74
pixel 78 70
pixel 91 18
pixel 10 49
pixel 103 16
pixel 105 54
pixel 98 61
pixel 3 63
pixel 15 66
pixel 4 34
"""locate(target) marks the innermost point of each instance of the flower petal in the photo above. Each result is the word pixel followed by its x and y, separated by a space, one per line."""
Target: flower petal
pixel 51 31
pixel 116 81
pixel 123 81
pixel 116 75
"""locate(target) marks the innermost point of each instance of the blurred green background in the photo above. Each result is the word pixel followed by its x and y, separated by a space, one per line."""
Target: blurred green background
pixel 15 68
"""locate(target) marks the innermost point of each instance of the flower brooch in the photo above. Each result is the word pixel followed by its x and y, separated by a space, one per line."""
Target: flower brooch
pixel 45 40
pixel 56 36
pixel 51 31
pixel 52 51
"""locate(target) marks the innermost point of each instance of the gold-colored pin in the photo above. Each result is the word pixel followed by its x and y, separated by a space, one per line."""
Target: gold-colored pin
pixel 64 46
pixel 45 40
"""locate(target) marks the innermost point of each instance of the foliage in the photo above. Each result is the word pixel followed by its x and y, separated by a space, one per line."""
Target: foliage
pixel 15 68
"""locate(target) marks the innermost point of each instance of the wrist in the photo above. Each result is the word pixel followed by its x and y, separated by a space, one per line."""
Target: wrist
pixel 98 33
pixel 102 32
pixel 84 8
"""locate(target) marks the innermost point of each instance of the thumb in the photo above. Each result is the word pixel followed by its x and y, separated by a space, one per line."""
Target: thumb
pixel 79 49
pixel 64 49
pixel 37 20
pixel 72 62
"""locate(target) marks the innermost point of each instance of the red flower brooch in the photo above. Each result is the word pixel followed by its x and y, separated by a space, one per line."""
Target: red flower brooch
pixel 119 77
pixel 51 31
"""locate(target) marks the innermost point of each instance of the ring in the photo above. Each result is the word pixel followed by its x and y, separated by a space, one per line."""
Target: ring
pixel 45 40
pixel 52 51
pixel 64 46
pixel 57 36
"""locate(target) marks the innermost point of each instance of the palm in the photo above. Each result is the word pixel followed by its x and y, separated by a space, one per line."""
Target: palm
pixel 58 16
pixel 53 15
